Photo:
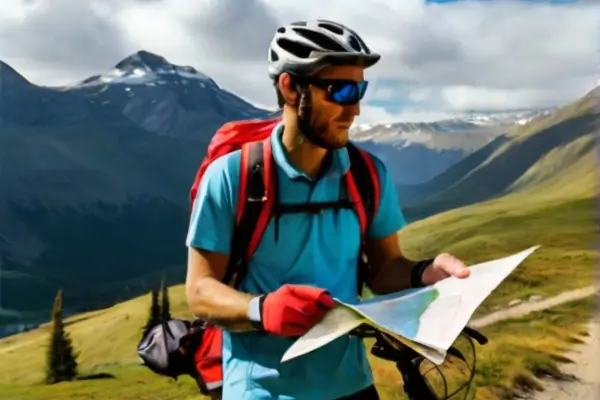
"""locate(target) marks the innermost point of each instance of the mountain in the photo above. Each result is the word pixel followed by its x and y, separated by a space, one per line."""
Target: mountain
pixel 419 151
pixel 549 150
pixel 95 178
pixel 144 90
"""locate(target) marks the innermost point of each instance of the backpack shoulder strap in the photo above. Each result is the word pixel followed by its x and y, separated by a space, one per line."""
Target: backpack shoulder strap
pixel 364 189
pixel 257 196
pixel 363 185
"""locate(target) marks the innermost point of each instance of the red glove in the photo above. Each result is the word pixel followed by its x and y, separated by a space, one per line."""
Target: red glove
pixel 293 309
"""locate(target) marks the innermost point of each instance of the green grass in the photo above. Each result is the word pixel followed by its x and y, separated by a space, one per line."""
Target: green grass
pixel 564 224
pixel 130 383
pixel 520 351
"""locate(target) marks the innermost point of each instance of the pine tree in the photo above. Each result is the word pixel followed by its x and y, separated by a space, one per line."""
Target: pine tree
pixel 61 362
pixel 165 311
pixel 154 315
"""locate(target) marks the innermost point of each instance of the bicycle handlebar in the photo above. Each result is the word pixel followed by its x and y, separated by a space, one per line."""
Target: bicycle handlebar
pixel 408 360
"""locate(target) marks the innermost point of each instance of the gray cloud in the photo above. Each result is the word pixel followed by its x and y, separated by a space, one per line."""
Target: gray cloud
pixel 235 29
pixel 466 55
pixel 76 36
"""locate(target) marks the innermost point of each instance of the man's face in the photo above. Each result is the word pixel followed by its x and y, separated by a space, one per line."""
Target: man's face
pixel 332 121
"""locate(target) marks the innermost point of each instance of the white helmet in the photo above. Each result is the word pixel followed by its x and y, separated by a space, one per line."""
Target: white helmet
pixel 305 47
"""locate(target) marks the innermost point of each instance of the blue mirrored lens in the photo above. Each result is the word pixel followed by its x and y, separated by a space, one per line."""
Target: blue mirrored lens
pixel 362 88
pixel 345 93
pixel 349 92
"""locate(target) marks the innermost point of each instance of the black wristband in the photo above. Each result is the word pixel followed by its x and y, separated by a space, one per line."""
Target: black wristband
pixel 416 273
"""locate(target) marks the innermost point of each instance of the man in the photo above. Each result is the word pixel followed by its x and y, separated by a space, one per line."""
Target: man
pixel 318 70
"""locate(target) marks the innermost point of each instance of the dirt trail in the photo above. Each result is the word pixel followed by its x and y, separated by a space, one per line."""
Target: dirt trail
pixel 585 384
pixel 585 372
pixel 526 308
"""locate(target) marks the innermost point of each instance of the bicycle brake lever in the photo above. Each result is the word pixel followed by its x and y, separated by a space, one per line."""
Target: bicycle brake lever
pixel 478 336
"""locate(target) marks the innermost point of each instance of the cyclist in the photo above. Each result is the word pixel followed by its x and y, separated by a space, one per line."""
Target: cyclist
pixel 318 71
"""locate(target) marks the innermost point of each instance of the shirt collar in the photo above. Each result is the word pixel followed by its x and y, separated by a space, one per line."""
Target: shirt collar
pixel 339 165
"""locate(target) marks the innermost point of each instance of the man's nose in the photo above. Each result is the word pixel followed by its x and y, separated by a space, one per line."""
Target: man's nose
pixel 353 109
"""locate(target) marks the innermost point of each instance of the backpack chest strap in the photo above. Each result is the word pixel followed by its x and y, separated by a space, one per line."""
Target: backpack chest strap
pixel 258 202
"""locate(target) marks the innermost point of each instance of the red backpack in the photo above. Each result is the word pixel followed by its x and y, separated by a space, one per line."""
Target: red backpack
pixel 359 190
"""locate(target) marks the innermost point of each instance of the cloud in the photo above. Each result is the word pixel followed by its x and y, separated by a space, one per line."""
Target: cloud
pixel 438 59
pixel 62 40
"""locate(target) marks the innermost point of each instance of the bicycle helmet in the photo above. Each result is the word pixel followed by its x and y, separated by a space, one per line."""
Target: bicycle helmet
pixel 304 47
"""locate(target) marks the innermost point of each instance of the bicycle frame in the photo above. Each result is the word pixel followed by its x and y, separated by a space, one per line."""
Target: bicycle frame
pixel 407 360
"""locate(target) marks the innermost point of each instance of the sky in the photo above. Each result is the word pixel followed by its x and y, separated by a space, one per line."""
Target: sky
pixel 440 58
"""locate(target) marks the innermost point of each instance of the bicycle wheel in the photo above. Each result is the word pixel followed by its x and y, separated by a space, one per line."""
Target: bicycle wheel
pixel 452 379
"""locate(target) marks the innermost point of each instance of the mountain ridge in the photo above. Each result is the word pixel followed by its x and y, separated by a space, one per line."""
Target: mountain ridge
pixel 491 171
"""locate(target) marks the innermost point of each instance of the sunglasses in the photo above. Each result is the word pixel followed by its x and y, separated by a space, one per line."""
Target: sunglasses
pixel 340 91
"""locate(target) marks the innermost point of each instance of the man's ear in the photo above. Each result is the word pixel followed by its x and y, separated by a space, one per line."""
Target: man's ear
pixel 287 89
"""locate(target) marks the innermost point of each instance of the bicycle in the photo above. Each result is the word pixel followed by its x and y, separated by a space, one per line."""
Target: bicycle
pixel 408 361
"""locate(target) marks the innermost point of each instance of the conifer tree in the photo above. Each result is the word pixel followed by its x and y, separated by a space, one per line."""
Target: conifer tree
pixel 154 314
pixel 165 310
pixel 61 362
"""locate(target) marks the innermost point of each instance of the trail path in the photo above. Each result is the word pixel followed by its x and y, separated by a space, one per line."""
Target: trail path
pixel 528 307
pixel 584 382
pixel 585 372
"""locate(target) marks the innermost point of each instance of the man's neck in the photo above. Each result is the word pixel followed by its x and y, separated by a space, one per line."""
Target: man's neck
pixel 301 153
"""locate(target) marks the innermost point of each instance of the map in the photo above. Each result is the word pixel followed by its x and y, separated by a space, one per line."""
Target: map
pixel 427 319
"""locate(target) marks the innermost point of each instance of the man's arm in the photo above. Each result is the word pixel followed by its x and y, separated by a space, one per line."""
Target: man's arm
pixel 209 240
pixel 390 271
pixel 210 299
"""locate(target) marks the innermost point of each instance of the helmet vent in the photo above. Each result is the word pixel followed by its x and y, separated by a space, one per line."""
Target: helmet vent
pixel 297 49
pixel 320 40
pixel 362 44
pixel 354 43
pixel 332 28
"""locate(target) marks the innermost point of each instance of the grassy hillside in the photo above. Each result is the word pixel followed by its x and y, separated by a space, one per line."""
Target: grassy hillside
pixel 550 202
pixel 558 213
pixel 563 222
pixel 545 145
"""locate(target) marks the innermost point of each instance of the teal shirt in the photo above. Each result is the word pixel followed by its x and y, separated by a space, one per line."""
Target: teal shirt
pixel 319 250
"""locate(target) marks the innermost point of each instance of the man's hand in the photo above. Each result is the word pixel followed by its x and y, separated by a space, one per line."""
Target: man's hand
pixel 444 266
pixel 292 310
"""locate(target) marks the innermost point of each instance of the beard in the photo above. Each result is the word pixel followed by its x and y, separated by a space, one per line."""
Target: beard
pixel 321 135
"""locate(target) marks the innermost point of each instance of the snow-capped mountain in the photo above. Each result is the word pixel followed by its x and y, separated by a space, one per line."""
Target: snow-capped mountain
pixel 144 88
pixel 486 123
pixel 106 160
pixel 418 151
pixel 509 117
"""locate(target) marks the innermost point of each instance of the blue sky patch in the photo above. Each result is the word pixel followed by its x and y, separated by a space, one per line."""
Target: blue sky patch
pixel 526 1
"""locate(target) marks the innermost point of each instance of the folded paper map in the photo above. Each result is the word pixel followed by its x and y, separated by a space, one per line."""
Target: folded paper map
pixel 427 319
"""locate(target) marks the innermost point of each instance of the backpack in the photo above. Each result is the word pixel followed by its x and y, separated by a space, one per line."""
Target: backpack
pixel 359 190
pixel 169 348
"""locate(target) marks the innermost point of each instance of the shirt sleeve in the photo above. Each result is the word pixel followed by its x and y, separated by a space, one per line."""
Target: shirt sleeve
pixel 389 218
pixel 213 215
